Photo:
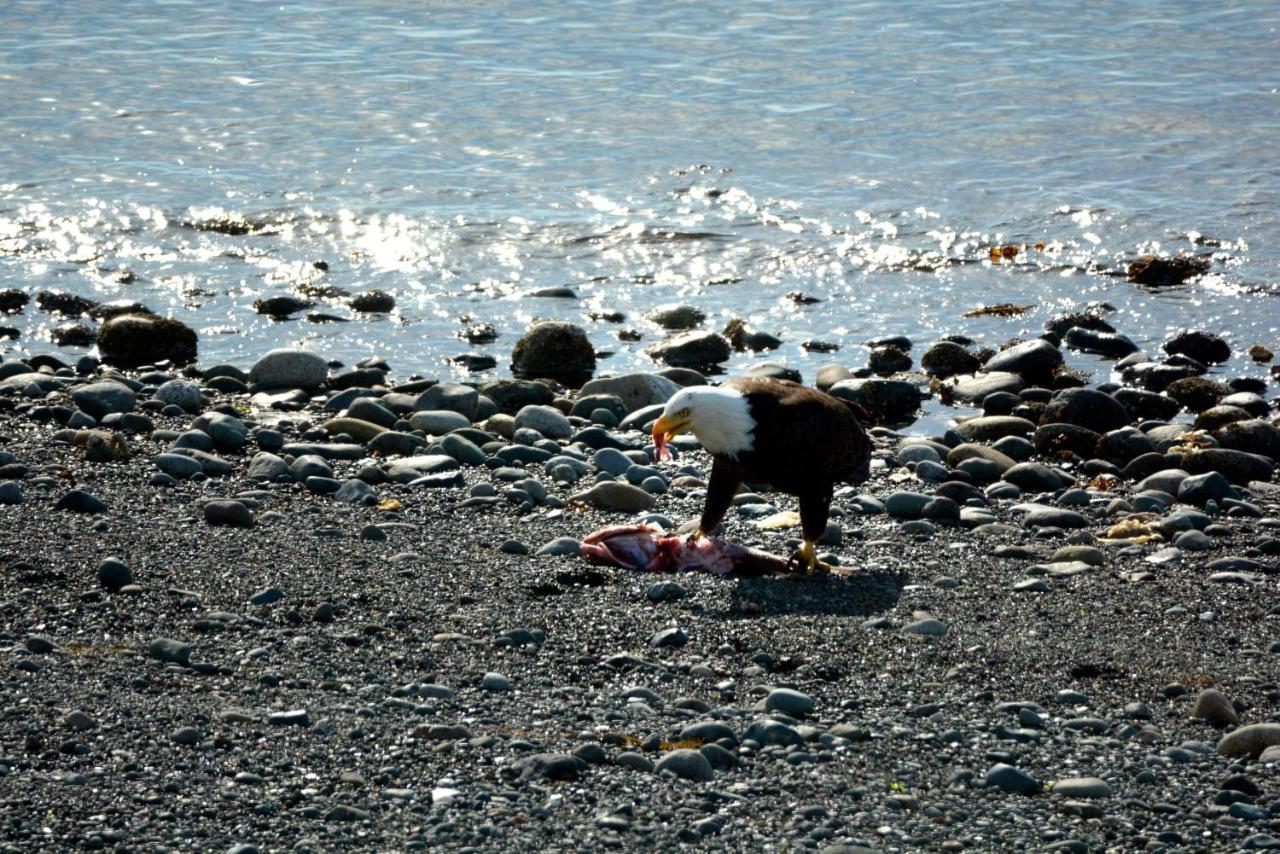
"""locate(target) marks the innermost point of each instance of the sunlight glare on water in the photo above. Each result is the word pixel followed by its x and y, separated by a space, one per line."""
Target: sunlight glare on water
pixel 199 157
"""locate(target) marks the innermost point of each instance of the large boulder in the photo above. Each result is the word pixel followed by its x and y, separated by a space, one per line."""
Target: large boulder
pixel 133 340
pixel 635 390
pixel 555 350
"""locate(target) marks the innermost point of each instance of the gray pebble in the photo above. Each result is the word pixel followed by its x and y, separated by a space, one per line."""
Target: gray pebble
pixel 114 574
pixel 789 702
pixel 495 682
pixel 689 764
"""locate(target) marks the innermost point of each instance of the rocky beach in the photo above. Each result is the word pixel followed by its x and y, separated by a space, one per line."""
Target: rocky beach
pixel 298 605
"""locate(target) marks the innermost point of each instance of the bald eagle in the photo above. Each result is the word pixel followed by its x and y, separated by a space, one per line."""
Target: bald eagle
pixel 794 438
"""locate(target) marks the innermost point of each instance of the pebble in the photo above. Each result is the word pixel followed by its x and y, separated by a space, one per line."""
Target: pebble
pixel 687 764
pixel 560 546
pixel 227 512
pixel 286 368
pixel 547 420
pixel 266 596
pixel 789 702
pixel 1250 740
pixel 181 393
pixel 614 495
pixel 79 721
pixel 928 627
pixel 1011 780
pixel 634 761
pixel 186 736
pixel 672 637
pixel 666 591
pixel 294 717
pixel 1082 787
pixel 79 501
pixel 495 682
pixel 11 493
pixel 113 573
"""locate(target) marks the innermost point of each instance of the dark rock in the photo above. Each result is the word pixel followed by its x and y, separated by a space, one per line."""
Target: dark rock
pixel 1035 361
pixel 1219 416
pixel 947 359
pixel 1254 436
pixel 227 512
pixel 1123 445
pixel 1102 343
pixel 977 387
pixel 102 398
pixel 1054 440
pixel 452 397
pixel 78 501
pixel 1195 393
pixel 1085 407
pixel 685 763
pixel 555 350
pixel 379 302
pixel 13 301
pixel 677 317
pixel 511 396
pixel 886 361
pixel 72 335
pixel 1035 477
pixel 282 306
pixel 1201 346
pixel 1201 488
pixel 1160 272
pixel 167 649
pixel 68 305
pixel 1238 467
pixel 113 573
pixel 1147 405
pixel 559 767
pixel 887 401
pixel 1011 780
pixel 699 350
pixel 132 340
pixel 1089 320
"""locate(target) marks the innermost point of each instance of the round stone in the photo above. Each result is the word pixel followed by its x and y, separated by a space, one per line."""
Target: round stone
pixel 789 702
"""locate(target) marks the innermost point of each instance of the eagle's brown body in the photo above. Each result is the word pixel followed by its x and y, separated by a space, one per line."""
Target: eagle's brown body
pixel 804 443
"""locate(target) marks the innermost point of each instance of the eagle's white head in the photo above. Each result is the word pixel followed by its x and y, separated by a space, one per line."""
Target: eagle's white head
pixel 719 416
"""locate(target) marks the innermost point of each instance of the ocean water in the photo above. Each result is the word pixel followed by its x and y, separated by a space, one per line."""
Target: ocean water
pixel 198 157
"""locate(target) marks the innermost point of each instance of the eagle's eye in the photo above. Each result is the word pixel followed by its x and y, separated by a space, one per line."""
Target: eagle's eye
pixel 686 412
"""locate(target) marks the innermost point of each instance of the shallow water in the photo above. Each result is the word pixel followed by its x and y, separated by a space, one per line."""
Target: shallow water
pixel 463 156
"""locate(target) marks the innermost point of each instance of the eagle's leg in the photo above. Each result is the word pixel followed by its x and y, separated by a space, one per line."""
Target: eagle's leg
pixel 721 487
pixel 815 508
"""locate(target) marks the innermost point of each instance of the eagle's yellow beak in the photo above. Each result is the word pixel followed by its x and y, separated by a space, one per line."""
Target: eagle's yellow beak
pixel 664 430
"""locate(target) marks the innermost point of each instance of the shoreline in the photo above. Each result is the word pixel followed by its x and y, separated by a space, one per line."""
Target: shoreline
pixel 396 665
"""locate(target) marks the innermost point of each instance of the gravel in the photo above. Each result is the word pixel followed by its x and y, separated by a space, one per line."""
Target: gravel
pixel 254 668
